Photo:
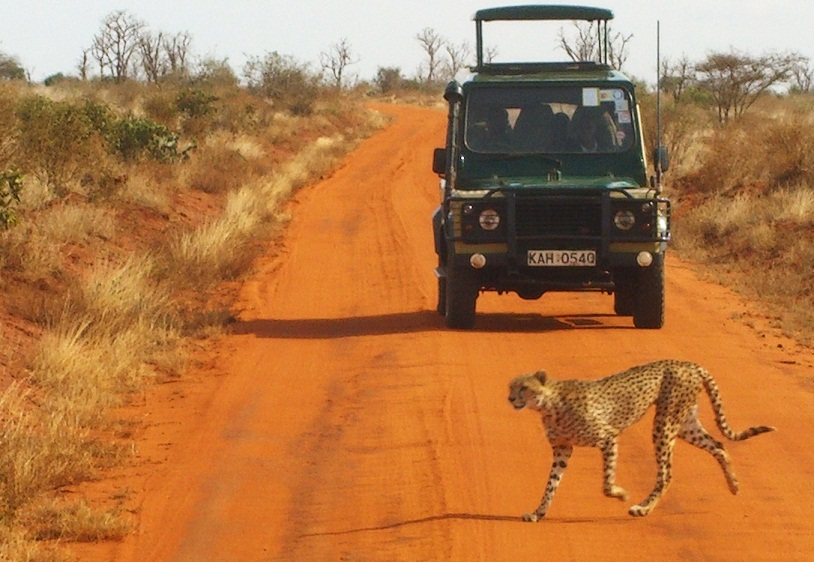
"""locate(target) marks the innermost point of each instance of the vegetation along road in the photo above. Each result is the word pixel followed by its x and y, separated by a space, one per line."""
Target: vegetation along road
pixel 340 421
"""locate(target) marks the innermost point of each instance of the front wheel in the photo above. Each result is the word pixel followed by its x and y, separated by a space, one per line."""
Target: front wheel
pixel 461 293
pixel 441 305
pixel 624 294
pixel 648 309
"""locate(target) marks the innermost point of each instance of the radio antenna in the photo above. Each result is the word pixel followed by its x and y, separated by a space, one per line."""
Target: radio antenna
pixel 659 170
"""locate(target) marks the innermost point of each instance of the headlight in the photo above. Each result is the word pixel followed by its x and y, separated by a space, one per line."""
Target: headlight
pixel 662 226
pixel 489 219
pixel 624 220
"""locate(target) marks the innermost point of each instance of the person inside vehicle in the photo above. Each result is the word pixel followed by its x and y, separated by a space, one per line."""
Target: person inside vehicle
pixel 583 133
pixel 592 131
pixel 492 131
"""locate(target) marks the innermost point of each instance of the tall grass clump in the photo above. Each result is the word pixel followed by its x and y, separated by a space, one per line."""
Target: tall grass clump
pixel 40 452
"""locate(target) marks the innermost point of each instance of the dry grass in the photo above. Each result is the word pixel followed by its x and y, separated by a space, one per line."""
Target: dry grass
pixel 221 248
pixel 76 522
pixel 115 271
pixel 42 449
pixel 747 210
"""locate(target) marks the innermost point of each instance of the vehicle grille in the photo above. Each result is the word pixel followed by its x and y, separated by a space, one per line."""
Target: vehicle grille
pixel 559 216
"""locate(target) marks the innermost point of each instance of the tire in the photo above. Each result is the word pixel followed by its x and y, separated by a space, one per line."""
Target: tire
pixel 441 307
pixel 648 312
pixel 461 294
pixel 624 295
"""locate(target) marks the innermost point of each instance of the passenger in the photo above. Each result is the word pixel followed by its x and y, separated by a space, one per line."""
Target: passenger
pixel 532 131
pixel 492 131
pixel 591 131
pixel 583 133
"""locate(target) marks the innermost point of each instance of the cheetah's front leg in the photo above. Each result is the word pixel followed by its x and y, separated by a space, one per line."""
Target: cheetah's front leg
pixel 610 453
pixel 558 465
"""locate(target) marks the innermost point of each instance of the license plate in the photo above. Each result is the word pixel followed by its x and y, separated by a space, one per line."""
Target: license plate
pixel 561 258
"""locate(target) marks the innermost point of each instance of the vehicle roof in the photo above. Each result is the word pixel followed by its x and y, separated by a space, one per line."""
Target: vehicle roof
pixel 545 72
pixel 543 12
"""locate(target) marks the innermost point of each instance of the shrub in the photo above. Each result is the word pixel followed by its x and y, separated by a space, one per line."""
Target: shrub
pixel 57 140
pixel 132 137
pixel 197 110
pixel 11 183
pixel 288 83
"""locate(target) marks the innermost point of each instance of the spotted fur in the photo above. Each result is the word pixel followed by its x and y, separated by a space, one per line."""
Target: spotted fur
pixel 594 413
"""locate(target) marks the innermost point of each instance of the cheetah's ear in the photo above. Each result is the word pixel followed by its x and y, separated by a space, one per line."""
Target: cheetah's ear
pixel 541 376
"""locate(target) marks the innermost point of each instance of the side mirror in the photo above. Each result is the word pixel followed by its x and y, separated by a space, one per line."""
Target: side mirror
pixel 439 161
pixel 661 156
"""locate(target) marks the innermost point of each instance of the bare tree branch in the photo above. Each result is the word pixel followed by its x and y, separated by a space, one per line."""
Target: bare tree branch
pixel 337 60
pixel 432 43
pixel 115 44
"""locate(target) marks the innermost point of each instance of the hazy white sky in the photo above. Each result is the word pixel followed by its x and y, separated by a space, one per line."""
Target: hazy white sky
pixel 48 36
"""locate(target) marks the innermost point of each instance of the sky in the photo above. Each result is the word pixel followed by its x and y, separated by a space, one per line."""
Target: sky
pixel 48 37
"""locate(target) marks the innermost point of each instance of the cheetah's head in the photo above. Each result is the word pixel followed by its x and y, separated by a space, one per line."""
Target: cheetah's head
pixel 527 391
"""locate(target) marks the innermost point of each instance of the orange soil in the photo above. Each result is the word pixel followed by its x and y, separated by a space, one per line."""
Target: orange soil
pixel 341 421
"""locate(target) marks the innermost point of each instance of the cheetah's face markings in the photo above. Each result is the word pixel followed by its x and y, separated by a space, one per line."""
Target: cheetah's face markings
pixel 525 391
pixel 518 394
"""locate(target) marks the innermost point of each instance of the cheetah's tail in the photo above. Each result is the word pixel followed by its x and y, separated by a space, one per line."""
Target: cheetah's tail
pixel 720 418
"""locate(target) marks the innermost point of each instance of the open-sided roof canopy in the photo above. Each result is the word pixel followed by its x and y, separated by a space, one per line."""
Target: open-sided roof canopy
pixel 544 12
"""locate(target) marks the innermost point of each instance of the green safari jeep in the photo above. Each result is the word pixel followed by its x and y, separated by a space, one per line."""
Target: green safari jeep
pixel 544 182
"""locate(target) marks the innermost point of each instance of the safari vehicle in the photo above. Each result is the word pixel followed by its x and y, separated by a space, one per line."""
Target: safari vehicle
pixel 544 182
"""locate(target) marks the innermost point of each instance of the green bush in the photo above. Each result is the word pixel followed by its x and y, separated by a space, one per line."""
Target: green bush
pixel 11 183
pixel 195 103
pixel 132 137
pixel 58 141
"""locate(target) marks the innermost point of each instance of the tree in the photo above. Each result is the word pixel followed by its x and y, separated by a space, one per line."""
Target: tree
pixel 176 50
pixel 82 65
pixel 10 68
pixel 678 77
pixel 490 54
pixel 585 45
pixel 432 43
pixel 152 62
pixel 802 76
pixel 113 47
pixel 388 79
pixel 336 61
pixel 214 72
pixel 284 80
pixel 457 55
pixel 735 80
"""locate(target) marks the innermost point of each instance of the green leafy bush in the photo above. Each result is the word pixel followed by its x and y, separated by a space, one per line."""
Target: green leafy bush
pixel 58 141
pixel 132 137
pixel 11 183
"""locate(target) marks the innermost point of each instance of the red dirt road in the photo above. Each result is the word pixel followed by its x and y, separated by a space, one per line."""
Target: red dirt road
pixel 341 421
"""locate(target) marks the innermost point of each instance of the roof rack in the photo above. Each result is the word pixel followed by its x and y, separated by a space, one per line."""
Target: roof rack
pixel 542 13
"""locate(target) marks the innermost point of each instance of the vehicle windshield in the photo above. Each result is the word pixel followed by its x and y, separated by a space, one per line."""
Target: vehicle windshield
pixel 548 120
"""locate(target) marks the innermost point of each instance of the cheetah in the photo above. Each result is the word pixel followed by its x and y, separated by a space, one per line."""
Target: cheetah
pixel 594 413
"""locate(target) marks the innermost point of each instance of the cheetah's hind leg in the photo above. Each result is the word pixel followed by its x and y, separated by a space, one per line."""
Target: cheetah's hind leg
pixel 694 433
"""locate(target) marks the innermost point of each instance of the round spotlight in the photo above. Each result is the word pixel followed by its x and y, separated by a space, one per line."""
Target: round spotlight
pixel 624 220
pixel 489 219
